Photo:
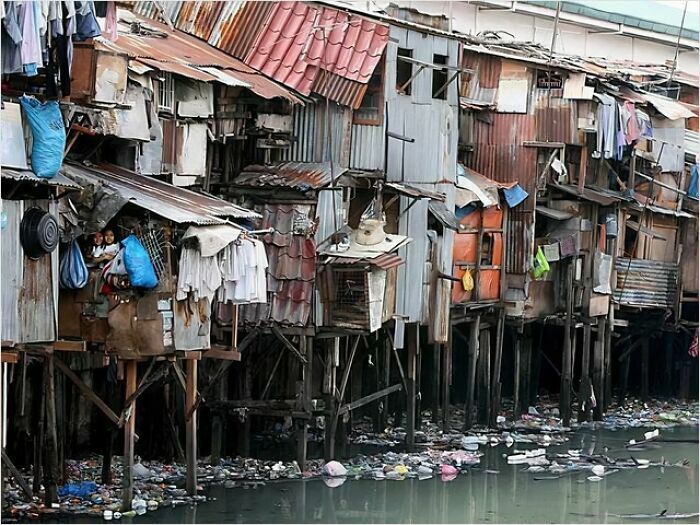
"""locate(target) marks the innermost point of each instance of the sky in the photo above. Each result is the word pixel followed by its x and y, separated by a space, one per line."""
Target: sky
pixel 664 11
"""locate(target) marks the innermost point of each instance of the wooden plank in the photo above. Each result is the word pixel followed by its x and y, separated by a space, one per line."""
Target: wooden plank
pixel 584 393
pixel 51 472
pixel 369 398
pixel 498 358
pixel 411 383
pixel 129 431
pixel 88 393
pixel 70 346
pixel 191 428
pixel 222 353
pixel 9 356
pixel 566 375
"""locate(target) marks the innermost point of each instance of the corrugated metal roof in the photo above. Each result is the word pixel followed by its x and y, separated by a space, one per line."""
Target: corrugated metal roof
pixel 183 54
pixel 174 203
pixel 298 175
pixel 385 261
pixel 29 176
pixel 342 90
pixel 299 39
pixel 593 194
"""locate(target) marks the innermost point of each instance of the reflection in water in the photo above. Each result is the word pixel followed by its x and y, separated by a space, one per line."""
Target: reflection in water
pixel 506 494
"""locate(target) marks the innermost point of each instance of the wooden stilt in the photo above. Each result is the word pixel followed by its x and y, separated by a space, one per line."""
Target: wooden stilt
pixel 517 350
pixel 111 435
pixel 624 380
pixel 306 344
pixel 329 388
pixel 385 382
pixel 435 405
pixel 536 368
pixel 584 392
pixel 247 395
pixel 566 378
pixel 496 380
pixel 473 355
pixel 39 438
pixel 446 379
pixel 645 370
pixel 129 429
pixel 412 336
pixel 419 376
pixel 607 361
pixel 51 473
pixel 525 365
pixel 217 422
pixel 668 370
pixel 598 379
pixel 191 427
pixel 484 390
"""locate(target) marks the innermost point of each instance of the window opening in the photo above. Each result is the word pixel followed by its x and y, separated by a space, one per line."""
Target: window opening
pixel 371 110
pixel 166 93
pixel 440 78
pixel 548 79
pixel 404 71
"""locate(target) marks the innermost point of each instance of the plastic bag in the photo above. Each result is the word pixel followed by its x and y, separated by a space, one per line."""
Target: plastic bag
pixel 138 264
pixel 540 266
pixel 602 272
pixel 49 135
pixel 467 281
pixel 73 274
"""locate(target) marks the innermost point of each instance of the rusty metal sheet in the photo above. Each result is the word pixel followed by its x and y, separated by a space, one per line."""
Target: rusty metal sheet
pixel 410 190
pixel 342 90
pixel 298 175
pixel 28 176
pixel 240 26
pixel 556 117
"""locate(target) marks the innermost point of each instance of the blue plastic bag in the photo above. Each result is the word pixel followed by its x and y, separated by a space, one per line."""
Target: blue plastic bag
pixel 81 489
pixel 138 264
pixel 73 274
pixel 49 135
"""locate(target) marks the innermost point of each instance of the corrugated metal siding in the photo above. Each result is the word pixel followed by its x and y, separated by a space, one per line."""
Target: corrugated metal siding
pixel 556 118
pixel 30 288
pixel 342 90
pixel 312 140
pixel 367 147
pixel 480 87
pixel 646 283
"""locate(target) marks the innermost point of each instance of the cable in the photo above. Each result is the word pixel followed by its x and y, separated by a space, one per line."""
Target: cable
pixel 678 43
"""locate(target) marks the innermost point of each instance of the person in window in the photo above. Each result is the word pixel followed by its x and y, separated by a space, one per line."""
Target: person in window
pixel 111 247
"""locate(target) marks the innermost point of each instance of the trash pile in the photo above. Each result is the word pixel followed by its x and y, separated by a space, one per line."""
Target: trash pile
pixel 653 413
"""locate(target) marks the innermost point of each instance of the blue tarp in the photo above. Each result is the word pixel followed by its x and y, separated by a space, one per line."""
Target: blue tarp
pixel 693 186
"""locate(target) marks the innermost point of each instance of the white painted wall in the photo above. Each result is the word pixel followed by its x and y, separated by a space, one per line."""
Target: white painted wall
pixel 571 38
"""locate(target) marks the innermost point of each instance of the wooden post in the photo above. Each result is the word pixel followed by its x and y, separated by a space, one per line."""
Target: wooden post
pixel 536 368
pixel 419 375
pixel 446 379
pixel 525 365
pixel 217 422
pixel 517 350
pixel 565 390
pixel 668 371
pixel 191 427
pixel 386 382
pixel 129 429
pixel 411 384
pixel 496 381
pixel 306 348
pixel 484 387
pixel 598 384
pixel 624 379
pixel 584 392
pixel 51 473
pixel 247 395
pixel 473 355
pixel 333 356
pixel 436 383
pixel 645 370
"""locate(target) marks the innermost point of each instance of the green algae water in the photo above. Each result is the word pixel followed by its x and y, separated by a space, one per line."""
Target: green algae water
pixel 493 492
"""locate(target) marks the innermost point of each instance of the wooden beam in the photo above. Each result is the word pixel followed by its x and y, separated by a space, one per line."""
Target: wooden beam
pixel 368 399
pixel 473 353
pixel 88 393
pixel 17 474
pixel 70 346
pixel 287 343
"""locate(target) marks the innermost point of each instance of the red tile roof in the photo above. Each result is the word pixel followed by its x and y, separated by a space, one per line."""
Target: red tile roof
pixel 298 40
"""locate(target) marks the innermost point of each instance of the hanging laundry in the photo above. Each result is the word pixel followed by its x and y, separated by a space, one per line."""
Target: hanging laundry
pixel 631 124
pixel 110 32
pixel 11 39
pixel 606 122
pixel 693 349
pixel 644 123
pixel 31 38
pixel 86 22
pixel 197 275
pixel 693 186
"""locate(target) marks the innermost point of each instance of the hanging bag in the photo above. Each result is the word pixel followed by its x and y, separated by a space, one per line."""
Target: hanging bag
pixel 138 264
pixel 73 274
pixel 48 135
